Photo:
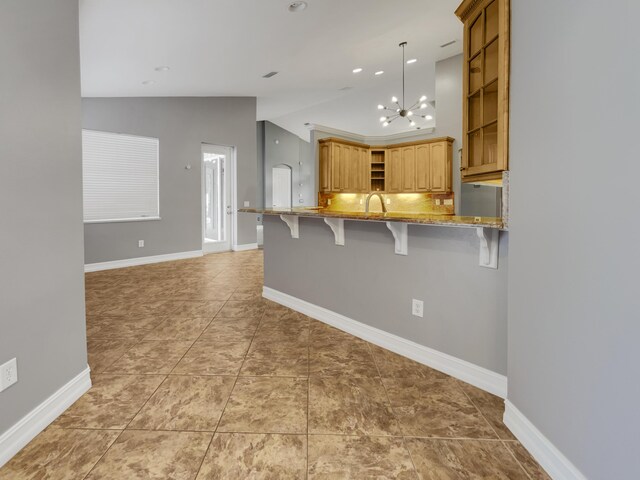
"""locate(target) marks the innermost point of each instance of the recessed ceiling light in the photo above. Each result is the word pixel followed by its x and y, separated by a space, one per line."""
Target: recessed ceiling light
pixel 269 75
pixel 413 60
pixel 357 70
pixel 162 68
pixel 297 6
pixel 428 117
pixel 148 82
pixel 379 72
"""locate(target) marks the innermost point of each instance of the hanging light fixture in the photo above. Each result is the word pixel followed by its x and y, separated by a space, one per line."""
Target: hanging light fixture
pixel 399 110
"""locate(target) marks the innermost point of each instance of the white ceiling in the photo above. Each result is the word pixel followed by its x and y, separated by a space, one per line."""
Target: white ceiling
pixel 223 47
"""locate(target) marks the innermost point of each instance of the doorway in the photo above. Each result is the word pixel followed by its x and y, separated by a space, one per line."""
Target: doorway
pixel 217 198
pixel 281 181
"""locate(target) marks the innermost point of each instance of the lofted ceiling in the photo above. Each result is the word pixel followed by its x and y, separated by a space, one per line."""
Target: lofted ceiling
pixel 224 47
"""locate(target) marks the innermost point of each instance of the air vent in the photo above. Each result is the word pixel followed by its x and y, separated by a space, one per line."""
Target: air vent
pixel 270 74
pixel 447 44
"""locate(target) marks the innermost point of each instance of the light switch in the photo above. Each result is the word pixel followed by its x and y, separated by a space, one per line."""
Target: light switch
pixel 247 203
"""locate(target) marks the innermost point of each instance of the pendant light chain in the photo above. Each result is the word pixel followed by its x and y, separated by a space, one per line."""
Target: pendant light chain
pixel 403 64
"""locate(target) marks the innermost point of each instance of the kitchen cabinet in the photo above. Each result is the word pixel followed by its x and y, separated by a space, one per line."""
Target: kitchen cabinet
pixel 485 113
pixel 423 167
pixel 344 166
pixel 393 173
pixel 409 168
pixel 325 168
pixel 349 167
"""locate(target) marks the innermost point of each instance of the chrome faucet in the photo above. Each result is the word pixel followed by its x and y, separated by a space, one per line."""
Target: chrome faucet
pixel 379 195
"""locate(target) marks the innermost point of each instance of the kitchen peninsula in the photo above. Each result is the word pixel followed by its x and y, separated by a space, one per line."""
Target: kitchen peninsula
pixel 361 273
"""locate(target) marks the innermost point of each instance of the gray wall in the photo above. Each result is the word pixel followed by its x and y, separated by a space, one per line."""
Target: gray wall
pixel 290 150
pixel 574 360
pixel 465 310
pixel 182 124
pixel 41 266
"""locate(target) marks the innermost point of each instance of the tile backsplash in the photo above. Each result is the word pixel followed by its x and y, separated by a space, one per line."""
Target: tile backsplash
pixel 431 203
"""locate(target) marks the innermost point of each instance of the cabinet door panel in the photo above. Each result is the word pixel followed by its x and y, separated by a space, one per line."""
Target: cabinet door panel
pixel 325 167
pixel 354 169
pixel 364 168
pixel 336 167
pixel 409 169
pixel 345 169
pixel 393 172
pixel 438 167
pixel 423 173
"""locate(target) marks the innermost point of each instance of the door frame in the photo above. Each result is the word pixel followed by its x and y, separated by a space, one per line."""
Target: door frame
pixel 231 178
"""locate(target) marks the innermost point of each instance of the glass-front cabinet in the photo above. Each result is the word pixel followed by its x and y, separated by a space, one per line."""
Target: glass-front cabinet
pixel 486 89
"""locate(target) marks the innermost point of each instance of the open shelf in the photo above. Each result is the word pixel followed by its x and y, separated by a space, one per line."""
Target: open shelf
pixel 377 170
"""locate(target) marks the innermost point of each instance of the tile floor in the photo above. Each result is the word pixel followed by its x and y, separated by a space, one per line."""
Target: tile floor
pixel 196 376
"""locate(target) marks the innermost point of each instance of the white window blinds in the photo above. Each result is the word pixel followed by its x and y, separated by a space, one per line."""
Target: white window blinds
pixel 120 176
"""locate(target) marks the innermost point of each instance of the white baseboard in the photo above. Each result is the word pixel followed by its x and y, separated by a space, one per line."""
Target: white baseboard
pixel 14 439
pixel 246 246
pixel 132 262
pixel 480 377
pixel 546 454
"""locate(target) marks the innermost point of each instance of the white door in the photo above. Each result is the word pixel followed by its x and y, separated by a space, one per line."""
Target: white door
pixel 281 181
pixel 217 194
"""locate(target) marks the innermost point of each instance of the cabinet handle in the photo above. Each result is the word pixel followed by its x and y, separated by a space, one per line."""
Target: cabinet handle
pixel 462 169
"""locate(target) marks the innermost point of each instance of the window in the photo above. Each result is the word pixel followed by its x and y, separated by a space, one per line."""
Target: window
pixel 120 177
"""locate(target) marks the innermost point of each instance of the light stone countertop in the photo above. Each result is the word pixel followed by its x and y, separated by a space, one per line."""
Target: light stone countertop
pixel 402 217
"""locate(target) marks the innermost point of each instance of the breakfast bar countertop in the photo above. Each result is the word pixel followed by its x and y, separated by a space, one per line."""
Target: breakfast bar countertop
pixel 401 217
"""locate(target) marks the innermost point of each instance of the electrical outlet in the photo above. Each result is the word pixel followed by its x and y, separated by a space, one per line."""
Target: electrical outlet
pixel 8 374
pixel 247 203
pixel 417 308
pixel 328 201
pixel 301 200
pixel 140 243
pixel 388 201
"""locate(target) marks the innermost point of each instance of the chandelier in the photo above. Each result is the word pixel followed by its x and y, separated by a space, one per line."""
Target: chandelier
pixel 399 110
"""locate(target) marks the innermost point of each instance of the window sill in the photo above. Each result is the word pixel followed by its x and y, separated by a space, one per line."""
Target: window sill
pixel 124 220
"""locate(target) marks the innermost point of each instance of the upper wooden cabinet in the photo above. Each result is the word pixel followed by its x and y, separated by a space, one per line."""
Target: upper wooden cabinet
pixel 344 166
pixel 351 167
pixel 485 148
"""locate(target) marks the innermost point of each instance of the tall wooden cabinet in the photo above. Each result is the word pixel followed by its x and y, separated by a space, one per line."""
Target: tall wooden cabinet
pixel 350 167
pixel 485 144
